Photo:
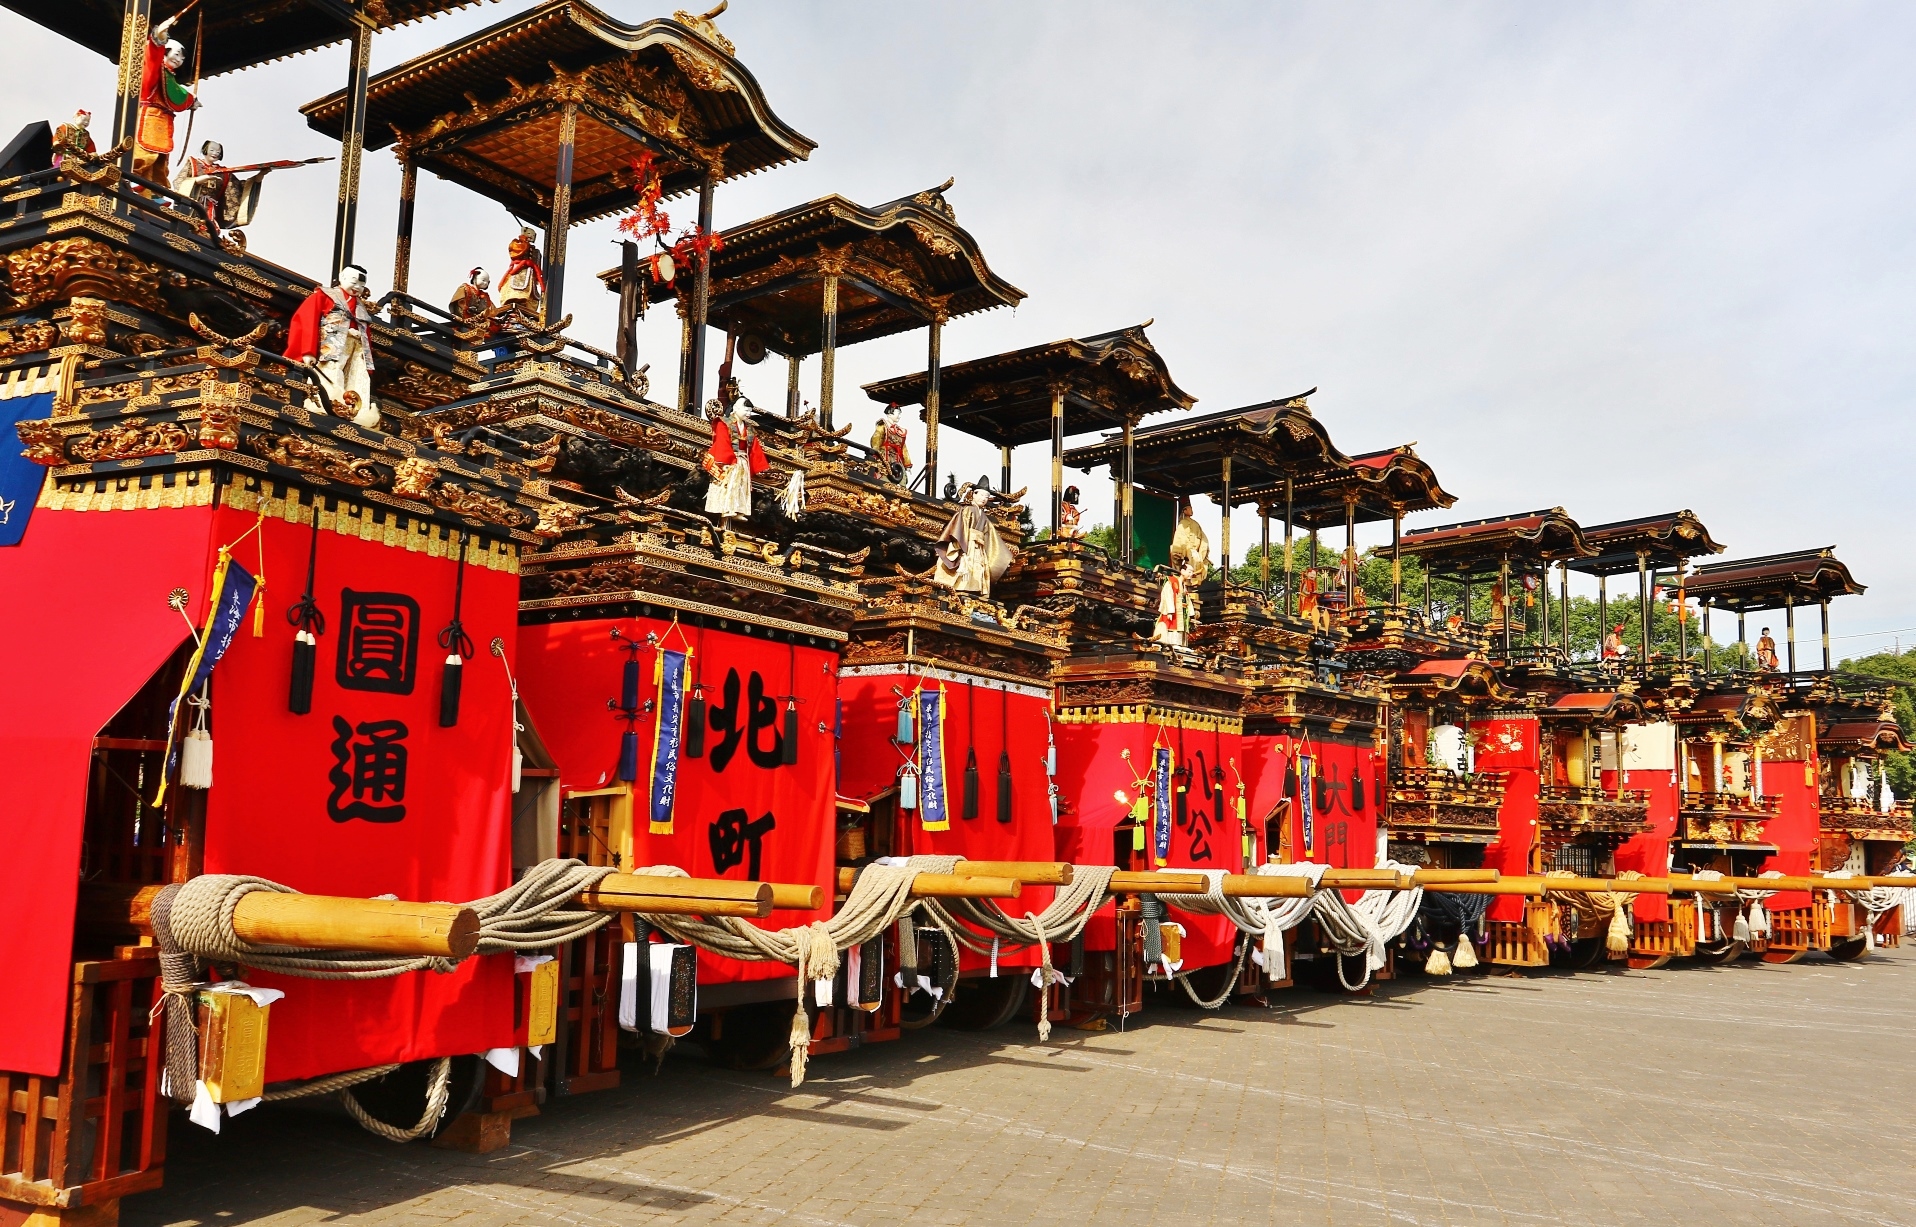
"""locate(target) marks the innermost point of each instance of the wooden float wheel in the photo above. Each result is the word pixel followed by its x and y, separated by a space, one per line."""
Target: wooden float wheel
pixel 1584 953
pixel 399 1098
pixel 1850 949
pixel 1785 956
pixel 752 1037
pixel 1648 962
pixel 985 1003
pixel 1719 956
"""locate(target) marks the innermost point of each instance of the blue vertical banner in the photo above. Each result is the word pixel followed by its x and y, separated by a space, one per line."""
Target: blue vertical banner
pixel 20 478
pixel 233 589
pixel 1161 770
pixel 1307 802
pixel 667 736
pixel 934 808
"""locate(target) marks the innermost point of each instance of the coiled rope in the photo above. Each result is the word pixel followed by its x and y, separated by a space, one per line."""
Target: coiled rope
pixel 1597 905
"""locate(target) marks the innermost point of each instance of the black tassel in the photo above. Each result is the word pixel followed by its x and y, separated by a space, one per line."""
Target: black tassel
pixel 788 749
pixel 695 724
pixel 629 686
pixel 971 785
pixel 1004 786
pixel 449 682
pixel 1357 790
pixel 299 697
pixel 1290 779
pixel 629 755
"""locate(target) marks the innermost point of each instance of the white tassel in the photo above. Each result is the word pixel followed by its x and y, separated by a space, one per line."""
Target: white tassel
pixel 196 760
pixel 1438 964
pixel 518 766
pixel 793 500
pixel 1741 931
pixel 1466 956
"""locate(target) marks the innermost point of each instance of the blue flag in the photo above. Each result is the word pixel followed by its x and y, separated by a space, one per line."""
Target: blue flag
pixel 1161 796
pixel 666 736
pixel 233 589
pixel 1306 801
pixel 20 478
pixel 934 808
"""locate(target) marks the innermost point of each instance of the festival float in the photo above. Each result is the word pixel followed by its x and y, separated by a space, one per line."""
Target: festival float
pixel 714 722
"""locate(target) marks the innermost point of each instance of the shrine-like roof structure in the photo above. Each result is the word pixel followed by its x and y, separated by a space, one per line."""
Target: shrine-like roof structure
pixel 1006 398
pixel 1805 577
pixel 1480 547
pixel 1664 539
pixel 898 265
pixel 1863 735
pixel 1263 442
pixel 1373 486
pixel 486 112
pixel 235 34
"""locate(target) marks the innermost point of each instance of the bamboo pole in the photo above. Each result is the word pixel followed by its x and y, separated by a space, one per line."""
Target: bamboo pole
pixel 1234 886
pixel 1031 873
pixel 1127 883
pixel 676 905
pixel 1630 886
pixel 779 894
pixel 947 886
pixel 1435 877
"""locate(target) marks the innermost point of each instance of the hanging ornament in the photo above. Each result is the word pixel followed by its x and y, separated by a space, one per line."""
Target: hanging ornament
pixel 309 623
pixel 458 646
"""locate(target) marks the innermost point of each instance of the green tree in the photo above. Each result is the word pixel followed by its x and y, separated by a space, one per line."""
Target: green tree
pixel 1897 672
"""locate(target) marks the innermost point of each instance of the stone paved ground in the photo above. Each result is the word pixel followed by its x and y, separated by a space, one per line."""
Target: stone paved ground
pixel 1696 1096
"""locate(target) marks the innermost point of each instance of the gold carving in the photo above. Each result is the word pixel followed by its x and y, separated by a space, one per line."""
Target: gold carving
pixel 128 440
pixel 463 501
pixel 30 338
pixel 316 459
pixel 702 25
pixel 554 519
pixel 412 478
pixel 86 323
pixel 58 269
pixel 45 442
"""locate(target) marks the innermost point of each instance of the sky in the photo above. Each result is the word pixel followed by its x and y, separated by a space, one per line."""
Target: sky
pixel 1621 258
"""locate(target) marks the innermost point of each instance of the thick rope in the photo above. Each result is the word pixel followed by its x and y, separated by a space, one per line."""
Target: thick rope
pixel 435 1107
pixel 177 1004
pixel 1367 926
pixel 1598 905
pixel 1877 901
pixel 1752 921
pixel 880 897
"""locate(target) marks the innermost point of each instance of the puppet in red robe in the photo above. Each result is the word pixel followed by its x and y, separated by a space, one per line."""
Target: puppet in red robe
pixel 734 458
pixel 161 98
pixel 332 333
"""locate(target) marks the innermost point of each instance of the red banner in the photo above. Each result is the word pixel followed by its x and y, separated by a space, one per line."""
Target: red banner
pixel 88 624
pixel 367 794
pixel 983 719
pixel 741 811
pixel 1796 827
pixel 1649 853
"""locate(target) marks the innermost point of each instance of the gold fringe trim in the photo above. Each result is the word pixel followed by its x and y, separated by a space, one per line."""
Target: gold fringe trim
pixel 1147 713
pixel 192 488
pixel 355 520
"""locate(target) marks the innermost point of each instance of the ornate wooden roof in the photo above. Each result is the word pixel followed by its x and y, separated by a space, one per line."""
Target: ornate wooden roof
pixel 1376 485
pixel 1666 539
pixel 484 112
pixel 1803 578
pixel 1264 441
pixel 237 33
pixel 1006 398
pixel 898 265
pixel 1856 736
pixel 1479 547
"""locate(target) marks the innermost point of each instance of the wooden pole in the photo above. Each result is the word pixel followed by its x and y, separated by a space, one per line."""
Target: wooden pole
pixel 934 377
pixel 1125 493
pixel 1004 468
pixel 1643 606
pixel 352 141
pixel 1396 558
pixel 1264 548
pixel 1224 528
pixel 1031 873
pixel 1289 509
pixel 402 240
pixel 1057 461
pixel 947 886
pixel 1789 627
pixel 1563 615
pixel 560 225
pixel 791 387
pixel 1826 633
pixel 701 302
pixel 307 922
pixel 135 29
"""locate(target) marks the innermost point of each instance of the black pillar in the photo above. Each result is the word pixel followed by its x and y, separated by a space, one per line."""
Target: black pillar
pixel 352 140
pixel 561 223
pixel 694 381
pixel 402 241
pixel 135 27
